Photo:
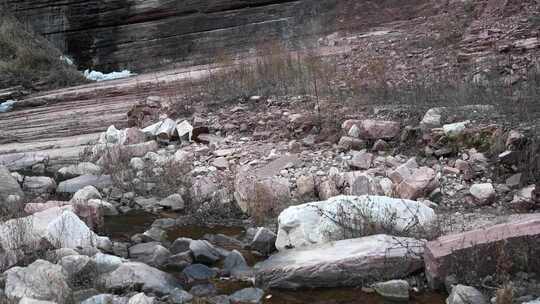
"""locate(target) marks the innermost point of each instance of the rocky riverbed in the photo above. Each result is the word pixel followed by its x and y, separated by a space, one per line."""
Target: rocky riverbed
pixel 248 206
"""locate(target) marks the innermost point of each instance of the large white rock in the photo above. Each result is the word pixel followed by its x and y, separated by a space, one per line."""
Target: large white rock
pixel 483 193
pixel 85 194
pixel 58 225
pixel 431 119
pixel 68 231
pixel 41 280
pixel 342 263
pixel 112 136
pixel 326 221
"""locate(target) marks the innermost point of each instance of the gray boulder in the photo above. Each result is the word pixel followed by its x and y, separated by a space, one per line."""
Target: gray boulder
pixel 396 290
pixel 41 280
pixel 234 261
pixel 136 274
pixel 198 273
pixel 106 262
pixel 39 184
pixel 204 252
pixel 180 245
pixel 85 194
pixel 179 261
pixel 81 270
pixel 153 253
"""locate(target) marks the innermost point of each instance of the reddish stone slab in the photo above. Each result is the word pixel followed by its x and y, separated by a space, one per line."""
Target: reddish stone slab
pixel 478 248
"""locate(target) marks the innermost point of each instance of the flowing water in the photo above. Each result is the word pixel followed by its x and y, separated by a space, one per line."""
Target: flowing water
pixel 122 227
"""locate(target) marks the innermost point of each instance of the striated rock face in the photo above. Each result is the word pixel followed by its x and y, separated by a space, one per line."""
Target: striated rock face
pixel 131 34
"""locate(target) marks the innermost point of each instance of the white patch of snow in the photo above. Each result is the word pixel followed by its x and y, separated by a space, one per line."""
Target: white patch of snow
pixel 7 105
pixel 99 76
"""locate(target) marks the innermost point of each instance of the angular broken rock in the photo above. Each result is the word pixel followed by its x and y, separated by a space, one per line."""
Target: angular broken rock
pixel 361 160
pixel 448 253
pixel 327 189
pixel 342 263
pixel 431 119
pixel 455 129
pixel 185 128
pixel 262 191
pixel 344 217
pixel 415 182
pixel 166 130
pixel 379 129
pixel 524 198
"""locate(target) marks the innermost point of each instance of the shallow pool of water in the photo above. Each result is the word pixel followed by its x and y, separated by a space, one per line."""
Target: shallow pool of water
pixel 123 227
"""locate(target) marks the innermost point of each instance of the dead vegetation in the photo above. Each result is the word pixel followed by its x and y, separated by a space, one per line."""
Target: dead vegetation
pixel 160 178
pixel 29 60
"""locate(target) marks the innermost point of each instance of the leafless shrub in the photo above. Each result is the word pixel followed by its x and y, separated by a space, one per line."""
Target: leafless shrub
pixel 275 71
pixel 360 221
pixel 165 178
pixel 505 295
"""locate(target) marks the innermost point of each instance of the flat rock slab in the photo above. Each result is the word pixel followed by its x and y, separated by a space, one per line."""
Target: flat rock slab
pixel 274 167
pixel 75 184
pixel 479 249
pixel 351 262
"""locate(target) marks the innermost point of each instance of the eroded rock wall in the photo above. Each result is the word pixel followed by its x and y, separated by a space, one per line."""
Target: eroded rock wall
pixel 144 35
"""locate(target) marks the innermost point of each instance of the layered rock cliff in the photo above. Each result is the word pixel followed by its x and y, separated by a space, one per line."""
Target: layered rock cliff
pixel 144 35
